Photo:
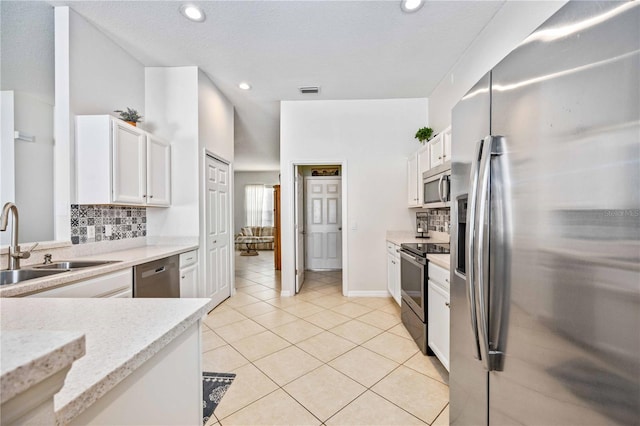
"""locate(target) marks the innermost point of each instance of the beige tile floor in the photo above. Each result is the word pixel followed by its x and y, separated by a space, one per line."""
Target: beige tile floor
pixel 319 357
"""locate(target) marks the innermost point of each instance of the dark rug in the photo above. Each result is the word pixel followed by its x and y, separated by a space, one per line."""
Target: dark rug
pixel 214 385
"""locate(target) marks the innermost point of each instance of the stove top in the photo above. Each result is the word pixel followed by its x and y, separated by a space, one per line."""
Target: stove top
pixel 422 249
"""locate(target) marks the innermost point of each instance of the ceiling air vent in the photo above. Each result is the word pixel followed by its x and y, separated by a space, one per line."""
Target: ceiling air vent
pixel 305 90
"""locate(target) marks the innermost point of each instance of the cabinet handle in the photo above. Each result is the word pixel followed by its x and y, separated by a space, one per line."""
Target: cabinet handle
pixel 447 304
pixel 150 196
pixel 440 158
pixel 183 277
pixel 144 196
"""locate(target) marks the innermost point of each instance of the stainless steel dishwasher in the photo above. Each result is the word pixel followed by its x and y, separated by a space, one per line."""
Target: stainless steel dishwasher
pixel 160 278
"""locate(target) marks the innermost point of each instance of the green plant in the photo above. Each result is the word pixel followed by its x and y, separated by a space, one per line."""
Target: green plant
pixel 129 115
pixel 424 134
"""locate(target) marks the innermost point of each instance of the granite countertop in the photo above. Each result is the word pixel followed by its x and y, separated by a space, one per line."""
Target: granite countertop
pixel 126 259
pixel 121 335
pixel 399 237
pixel 30 356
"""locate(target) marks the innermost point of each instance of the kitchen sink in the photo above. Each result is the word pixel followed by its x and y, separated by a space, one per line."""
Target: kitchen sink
pixel 73 264
pixel 18 275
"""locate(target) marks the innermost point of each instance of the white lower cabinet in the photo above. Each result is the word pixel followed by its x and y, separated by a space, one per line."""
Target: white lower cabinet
pixel 393 271
pixel 115 284
pixel 189 274
pixel 438 313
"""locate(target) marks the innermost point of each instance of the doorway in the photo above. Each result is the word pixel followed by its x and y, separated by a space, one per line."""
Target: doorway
pixel 217 247
pixel 318 216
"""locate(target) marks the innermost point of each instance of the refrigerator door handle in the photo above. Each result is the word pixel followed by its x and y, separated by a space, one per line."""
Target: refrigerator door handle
pixel 500 252
pixel 471 246
pixel 493 147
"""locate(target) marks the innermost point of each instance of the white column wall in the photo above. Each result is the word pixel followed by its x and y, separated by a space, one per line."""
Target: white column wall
pixel 373 139
pixel 171 102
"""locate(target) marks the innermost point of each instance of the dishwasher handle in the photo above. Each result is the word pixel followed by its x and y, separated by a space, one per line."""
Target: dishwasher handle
pixel 152 272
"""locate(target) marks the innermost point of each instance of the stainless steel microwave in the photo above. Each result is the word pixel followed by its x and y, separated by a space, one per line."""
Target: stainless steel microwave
pixel 435 187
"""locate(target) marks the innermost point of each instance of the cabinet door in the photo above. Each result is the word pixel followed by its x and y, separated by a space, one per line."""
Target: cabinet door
pixel 412 181
pixel 438 322
pixel 158 172
pixel 446 144
pixel 391 275
pixel 107 285
pixel 423 160
pixel 129 164
pixel 398 294
pixel 189 281
pixel 436 150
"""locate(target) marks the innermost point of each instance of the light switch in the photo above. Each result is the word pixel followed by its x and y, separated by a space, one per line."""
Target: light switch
pixel 91 232
pixel 107 230
pixel 354 225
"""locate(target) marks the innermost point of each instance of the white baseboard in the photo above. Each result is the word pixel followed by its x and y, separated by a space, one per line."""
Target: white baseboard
pixel 285 293
pixel 365 293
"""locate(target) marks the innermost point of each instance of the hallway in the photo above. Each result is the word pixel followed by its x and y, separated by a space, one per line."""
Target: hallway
pixel 317 358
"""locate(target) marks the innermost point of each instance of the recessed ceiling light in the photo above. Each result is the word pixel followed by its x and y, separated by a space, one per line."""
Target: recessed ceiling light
pixel 244 86
pixel 192 13
pixel 410 6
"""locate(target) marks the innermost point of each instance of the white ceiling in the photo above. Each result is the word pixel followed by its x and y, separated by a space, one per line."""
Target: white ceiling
pixel 352 49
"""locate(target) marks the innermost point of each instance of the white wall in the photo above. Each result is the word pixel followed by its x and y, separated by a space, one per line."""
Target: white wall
pixel 27 70
pixel 171 104
pixel 104 77
pixel 240 179
pixel 373 138
pixel 26 47
pixel 511 25
pixel 215 115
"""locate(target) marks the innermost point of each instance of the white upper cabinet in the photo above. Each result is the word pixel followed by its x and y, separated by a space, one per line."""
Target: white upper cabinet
pixel 413 198
pixel 440 147
pixel 158 171
pixel 118 163
pixel 129 163
pixel 424 164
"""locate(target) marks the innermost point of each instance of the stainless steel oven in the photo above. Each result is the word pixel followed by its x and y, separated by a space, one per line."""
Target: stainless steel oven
pixel 435 186
pixel 413 285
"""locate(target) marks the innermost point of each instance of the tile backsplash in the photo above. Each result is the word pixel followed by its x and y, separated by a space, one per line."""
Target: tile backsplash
pixel 434 220
pixel 119 222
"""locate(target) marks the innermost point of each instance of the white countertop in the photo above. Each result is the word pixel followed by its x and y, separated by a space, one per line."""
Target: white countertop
pixel 442 260
pixel 126 259
pixel 121 335
pixel 28 357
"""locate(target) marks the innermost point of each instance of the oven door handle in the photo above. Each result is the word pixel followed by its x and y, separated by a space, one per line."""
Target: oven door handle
pixel 415 260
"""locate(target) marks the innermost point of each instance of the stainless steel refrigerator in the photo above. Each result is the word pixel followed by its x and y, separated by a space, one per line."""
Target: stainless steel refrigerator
pixel 545 294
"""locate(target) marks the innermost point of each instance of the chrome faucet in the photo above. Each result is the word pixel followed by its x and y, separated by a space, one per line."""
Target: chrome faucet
pixel 14 249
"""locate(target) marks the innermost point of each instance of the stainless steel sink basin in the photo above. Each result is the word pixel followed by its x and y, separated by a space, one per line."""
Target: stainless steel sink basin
pixel 73 264
pixel 18 275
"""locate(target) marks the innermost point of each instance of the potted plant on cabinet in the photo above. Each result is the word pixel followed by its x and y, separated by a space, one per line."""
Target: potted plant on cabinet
pixel 131 116
pixel 424 134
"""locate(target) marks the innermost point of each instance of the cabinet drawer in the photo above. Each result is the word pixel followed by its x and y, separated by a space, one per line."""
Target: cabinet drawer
pixel 391 248
pixel 439 275
pixel 101 286
pixel 188 258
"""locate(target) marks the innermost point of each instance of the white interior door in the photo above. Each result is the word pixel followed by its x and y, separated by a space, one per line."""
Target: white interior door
pixel 299 226
pixel 218 261
pixel 323 223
